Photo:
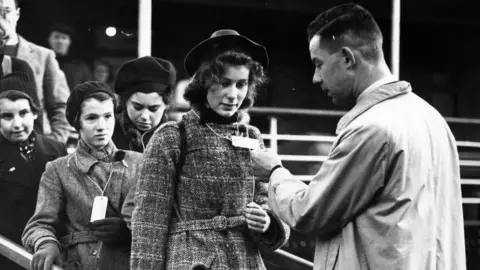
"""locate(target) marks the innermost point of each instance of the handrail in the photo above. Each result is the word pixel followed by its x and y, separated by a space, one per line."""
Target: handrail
pixel 294 258
pixel 275 111
pixel 331 139
pixel 17 254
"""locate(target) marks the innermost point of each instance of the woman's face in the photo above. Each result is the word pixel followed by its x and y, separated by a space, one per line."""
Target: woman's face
pixel 97 122
pixel 16 119
pixel 227 97
pixel 145 110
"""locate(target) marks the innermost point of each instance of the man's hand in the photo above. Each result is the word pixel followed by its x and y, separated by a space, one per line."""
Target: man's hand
pixel 46 255
pixel 110 229
pixel 264 160
pixel 258 219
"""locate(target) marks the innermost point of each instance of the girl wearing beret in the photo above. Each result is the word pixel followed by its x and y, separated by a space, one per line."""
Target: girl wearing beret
pixel 145 88
pixel 23 156
pixel 199 204
pixel 77 221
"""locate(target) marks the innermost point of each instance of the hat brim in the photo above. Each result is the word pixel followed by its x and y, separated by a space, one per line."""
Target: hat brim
pixel 206 49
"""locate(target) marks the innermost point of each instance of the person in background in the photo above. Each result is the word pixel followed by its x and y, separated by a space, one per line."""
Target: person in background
pixel 102 71
pixel 51 83
pixel 145 88
pixel 61 39
pixel 197 193
pixel 23 156
pixel 73 188
pixel 388 196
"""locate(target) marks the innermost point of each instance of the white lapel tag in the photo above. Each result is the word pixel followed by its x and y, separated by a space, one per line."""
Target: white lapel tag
pixel 244 142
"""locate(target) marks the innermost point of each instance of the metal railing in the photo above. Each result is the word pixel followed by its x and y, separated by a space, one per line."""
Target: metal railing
pixel 17 254
pixel 20 256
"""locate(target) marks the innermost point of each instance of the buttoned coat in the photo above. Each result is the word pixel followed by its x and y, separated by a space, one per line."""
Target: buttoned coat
pixel 52 87
pixel 65 198
pixel 19 180
pixel 215 183
pixel 388 196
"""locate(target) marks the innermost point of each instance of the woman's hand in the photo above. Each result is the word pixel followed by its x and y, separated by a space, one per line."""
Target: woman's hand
pixel 111 229
pixel 257 218
pixel 46 255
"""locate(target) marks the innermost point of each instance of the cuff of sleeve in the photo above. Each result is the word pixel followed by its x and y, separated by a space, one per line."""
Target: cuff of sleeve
pixel 45 240
pixel 273 169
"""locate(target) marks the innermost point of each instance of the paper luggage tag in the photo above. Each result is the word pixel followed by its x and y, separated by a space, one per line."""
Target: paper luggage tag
pixel 99 209
pixel 245 142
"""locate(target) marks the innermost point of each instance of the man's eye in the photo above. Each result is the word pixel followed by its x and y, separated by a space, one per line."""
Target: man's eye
pixel 154 109
pixel 138 108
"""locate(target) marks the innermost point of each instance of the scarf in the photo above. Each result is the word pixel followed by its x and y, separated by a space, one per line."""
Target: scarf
pixel 26 147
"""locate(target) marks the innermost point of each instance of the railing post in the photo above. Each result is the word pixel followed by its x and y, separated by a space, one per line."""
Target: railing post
pixel 144 28
pixel 395 55
pixel 273 134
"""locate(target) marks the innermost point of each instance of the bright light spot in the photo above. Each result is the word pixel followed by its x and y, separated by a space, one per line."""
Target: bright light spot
pixel 111 31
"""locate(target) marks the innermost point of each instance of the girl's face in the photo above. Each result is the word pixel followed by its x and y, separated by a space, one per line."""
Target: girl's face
pixel 97 122
pixel 145 110
pixel 16 119
pixel 227 97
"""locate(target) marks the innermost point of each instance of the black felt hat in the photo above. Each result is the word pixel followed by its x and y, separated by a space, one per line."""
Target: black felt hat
pixel 222 40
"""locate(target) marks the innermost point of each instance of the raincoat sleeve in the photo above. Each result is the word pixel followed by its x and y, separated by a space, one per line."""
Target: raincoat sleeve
pixel 44 224
pixel 344 186
pixel 278 232
pixel 154 198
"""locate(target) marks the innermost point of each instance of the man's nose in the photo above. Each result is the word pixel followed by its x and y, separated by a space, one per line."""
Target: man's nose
pixel 317 78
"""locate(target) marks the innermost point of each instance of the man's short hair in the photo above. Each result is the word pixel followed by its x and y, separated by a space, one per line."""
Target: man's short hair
pixel 348 25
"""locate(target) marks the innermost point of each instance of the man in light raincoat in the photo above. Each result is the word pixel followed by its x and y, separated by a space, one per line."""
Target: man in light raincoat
pixel 388 196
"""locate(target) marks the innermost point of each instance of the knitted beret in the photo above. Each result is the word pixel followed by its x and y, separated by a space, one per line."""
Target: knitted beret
pixel 80 93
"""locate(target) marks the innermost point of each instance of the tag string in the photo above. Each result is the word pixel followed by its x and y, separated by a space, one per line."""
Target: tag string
pixel 95 183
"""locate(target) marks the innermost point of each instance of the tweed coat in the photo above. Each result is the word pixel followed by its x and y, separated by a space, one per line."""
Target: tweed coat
pixel 65 200
pixel 389 194
pixel 19 180
pixel 215 184
pixel 52 87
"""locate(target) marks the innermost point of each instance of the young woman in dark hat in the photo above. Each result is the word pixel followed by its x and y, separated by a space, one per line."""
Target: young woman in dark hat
pixel 145 88
pixel 23 155
pixel 83 192
pixel 197 192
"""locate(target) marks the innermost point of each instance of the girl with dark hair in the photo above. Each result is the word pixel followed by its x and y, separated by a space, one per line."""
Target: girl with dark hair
pixel 198 193
pixel 145 88
pixel 82 193
pixel 23 156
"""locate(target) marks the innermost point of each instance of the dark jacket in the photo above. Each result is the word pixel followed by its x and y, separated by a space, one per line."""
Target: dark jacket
pixel 19 182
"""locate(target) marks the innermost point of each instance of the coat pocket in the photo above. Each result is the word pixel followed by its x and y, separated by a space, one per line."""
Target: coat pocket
pixel 71 259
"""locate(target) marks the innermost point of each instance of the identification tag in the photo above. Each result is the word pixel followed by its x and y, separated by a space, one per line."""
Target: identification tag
pixel 244 142
pixel 99 209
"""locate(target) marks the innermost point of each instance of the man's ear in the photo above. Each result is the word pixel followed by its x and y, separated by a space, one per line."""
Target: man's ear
pixel 348 57
pixel 35 116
